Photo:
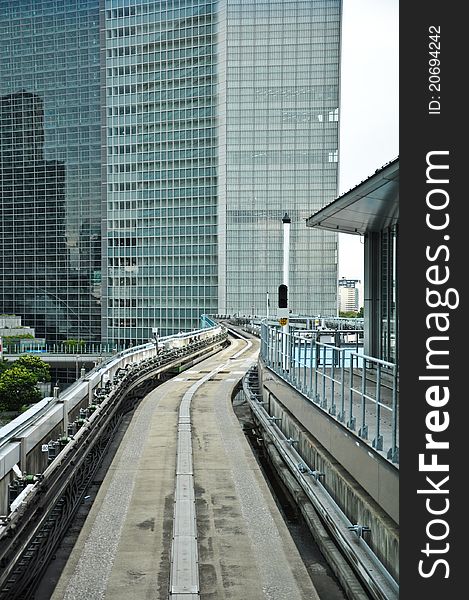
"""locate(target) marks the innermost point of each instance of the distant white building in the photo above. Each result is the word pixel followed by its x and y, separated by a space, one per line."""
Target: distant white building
pixel 348 295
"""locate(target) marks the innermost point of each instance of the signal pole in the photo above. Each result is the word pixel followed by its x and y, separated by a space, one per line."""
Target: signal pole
pixel 286 248
pixel 283 312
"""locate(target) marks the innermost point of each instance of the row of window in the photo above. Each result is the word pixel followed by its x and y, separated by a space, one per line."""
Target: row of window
pixel 122 223
pixel 168 47
pixel 201 173
pixel 174 196
pixel 187 28
pixel 180 270
pixel 187 39
pixel 127 241
pixel 122 281
pixel 174 191
pixel 194 233
pixel 188 252
pixel 122 322
pixel 180 274
pixel 122 261
pixel 155 62
pixel 152 107
pixel 164 90
pixel 132 303
pixel 122 302
pixel 172 290
pixel 160 9
pixel 142 168
pixel 203 75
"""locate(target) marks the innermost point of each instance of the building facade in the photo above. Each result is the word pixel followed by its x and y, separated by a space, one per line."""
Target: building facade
pixel 50 172
pixel 348 296
pixel 179 133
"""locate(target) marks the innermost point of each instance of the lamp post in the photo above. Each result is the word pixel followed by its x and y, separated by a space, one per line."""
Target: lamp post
pixel 283 293
pixel 286 248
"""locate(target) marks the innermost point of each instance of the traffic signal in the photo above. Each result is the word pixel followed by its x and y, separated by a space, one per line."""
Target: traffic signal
pixel 282 296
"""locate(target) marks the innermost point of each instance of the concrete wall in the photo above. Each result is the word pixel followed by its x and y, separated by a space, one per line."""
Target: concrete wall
pixel 359 480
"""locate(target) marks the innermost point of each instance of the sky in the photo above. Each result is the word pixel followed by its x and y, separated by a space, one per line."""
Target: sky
pixel 369 105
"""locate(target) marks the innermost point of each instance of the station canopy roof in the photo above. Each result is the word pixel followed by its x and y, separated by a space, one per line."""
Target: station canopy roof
pixel 373 205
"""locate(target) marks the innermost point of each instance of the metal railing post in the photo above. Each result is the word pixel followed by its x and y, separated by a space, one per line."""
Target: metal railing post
pixel 304 364
pixel 351 418
pixel 341 415
pixel 323 373
pixel 378 439
pixel 333 409
pixel 363 431
pixel 316 360
pixel 311 368
pixel 393 453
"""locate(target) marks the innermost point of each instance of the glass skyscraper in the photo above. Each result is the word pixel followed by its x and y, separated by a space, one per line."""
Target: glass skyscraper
pixel 279 109
pixel 149 150
pixel 50 168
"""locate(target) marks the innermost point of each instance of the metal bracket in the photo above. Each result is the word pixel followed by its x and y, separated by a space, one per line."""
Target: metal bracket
pixel 359 530
pixel 290 441
pixel 393 455
pixel 273 419
pixel 317 475
pixel 302 468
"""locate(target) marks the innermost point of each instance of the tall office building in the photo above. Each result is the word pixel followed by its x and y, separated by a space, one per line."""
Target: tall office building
pixel 50 176
pixel 185 129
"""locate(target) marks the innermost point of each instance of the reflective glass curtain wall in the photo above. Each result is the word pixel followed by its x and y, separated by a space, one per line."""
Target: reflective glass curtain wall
pixel 149 150
pixel 161 166
pixel 279 115
pixel 50 208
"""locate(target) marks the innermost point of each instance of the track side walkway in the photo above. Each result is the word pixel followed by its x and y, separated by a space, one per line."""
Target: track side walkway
pixel 244 549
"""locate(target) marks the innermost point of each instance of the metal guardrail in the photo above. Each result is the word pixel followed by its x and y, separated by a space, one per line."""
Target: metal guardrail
pixel 359 391
pixel 377 579
pixel 94 348
pixel 38 516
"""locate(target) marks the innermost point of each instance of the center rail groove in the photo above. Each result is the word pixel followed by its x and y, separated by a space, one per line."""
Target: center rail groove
pixel 184 577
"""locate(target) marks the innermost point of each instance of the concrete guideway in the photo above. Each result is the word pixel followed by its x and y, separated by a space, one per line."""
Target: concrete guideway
pixel 244 550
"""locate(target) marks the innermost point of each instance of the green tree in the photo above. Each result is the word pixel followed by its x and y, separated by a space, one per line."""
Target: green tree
pixel 18 387
pixel 349 314
pixel 4 365
pixel 35 365
pixel 72 344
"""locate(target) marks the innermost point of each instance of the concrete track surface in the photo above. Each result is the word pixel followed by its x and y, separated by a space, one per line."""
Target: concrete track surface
pixel 243 549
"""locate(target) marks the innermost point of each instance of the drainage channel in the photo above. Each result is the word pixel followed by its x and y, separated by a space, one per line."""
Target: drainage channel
pixel 322 576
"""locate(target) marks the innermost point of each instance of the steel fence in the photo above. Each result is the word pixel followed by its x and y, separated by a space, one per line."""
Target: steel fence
pixel 330 369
